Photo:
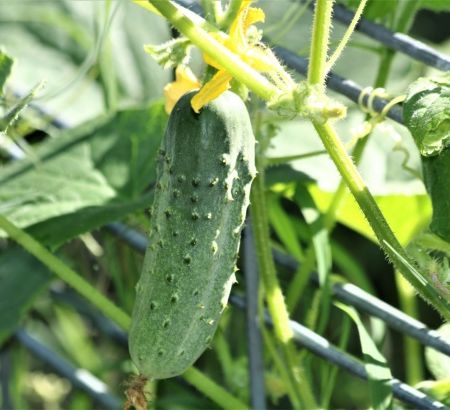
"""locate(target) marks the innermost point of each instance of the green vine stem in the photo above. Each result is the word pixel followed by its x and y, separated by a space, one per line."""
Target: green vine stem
pixel 345 39
pixel 348 171
pixel 412 348
pixel 272 289
pixel 201 382
pixel 301 276
pixel 317 69
pixel 407 15
pixel 380 227
pixel 271 346
pixel 230 13
pixel 212 390
pixel 432 241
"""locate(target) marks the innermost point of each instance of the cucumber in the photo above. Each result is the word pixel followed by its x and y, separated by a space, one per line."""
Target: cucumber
pixel 426 115
pixel 205 170
pixel 436 174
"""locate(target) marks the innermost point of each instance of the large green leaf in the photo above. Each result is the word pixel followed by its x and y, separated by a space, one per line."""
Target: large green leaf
pixel 86 176
pixel 22 277
pixel 83 53
pixel 406 214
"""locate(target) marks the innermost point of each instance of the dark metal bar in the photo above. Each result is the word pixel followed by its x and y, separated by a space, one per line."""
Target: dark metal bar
pixel 397 41
pixel 367 303
pixel 135 239
pixel 80 378
pixel 393 317
pixel 321 347
pixel 254 342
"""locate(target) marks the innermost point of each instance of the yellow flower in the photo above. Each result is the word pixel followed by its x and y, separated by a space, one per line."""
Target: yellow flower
pixel 243 41
pixel 185 81
pixel 240 43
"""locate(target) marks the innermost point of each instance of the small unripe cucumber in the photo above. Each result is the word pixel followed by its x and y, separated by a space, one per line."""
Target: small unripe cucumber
pixel 205 170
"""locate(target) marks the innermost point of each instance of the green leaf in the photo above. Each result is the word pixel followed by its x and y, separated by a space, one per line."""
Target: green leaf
pixel 426 113
pixel 73 335
pixel 350 267
pixel 439 363
pixel 55 231
pixel 68 39
pixel 439 389
pixel 12 115
pixel 6 63
pixel 319 232
pixel 86 176
pixel 283 227
pixel 375 364
pixel 406 214
pixel 22 277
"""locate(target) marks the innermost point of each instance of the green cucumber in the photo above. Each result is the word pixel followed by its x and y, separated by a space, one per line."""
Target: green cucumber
pixel 205 170
pixel 427 116
pixel 436 175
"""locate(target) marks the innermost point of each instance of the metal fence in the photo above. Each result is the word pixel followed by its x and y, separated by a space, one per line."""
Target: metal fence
pixel 347 293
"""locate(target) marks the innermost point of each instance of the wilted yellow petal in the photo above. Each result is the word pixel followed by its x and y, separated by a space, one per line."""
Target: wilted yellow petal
pixel 218 84
pixel 246 17
pixel 185 81
pixel 253 16
pixel 237 32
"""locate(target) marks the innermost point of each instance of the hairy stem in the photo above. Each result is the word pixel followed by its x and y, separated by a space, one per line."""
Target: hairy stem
pixel 319 43
pixel 345 39
pixel 272 289
pixel 230 13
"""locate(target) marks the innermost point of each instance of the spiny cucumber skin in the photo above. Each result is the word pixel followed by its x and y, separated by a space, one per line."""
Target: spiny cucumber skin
pixel 205 171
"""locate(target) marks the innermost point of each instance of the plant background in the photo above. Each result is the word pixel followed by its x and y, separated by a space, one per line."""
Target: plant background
pixel 94 64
